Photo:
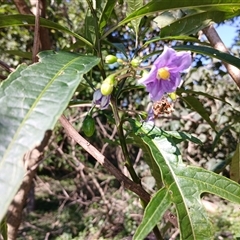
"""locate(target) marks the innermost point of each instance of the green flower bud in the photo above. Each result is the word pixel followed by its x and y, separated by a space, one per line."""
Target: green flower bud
pixel 111 80
pixel 120 61
pixel 173 95
pixel 88 126
pixel 110 59
pixel 135 62
pixel 106 88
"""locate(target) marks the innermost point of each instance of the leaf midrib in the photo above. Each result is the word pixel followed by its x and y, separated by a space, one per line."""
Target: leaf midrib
pixel 35 104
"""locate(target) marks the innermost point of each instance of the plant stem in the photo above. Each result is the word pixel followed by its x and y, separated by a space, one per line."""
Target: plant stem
pixel 127 162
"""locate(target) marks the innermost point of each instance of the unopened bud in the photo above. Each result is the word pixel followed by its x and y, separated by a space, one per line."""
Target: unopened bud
pixel 173 95
pixel 110 59
pixel 106 88
pixel 135 62
pixel 110 80
pixel 120 61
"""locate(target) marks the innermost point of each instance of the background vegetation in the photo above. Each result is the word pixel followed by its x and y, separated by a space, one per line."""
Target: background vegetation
pixel 72 196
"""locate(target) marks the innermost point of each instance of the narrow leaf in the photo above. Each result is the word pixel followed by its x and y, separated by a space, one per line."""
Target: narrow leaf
pixel 192 23
pixel 153 213
pixel 32 99
pixel 195 104
pixel 132 6
pixel 211 52
pixel 28 20
pixel 156 6
pixel 106 13
pixel 235 165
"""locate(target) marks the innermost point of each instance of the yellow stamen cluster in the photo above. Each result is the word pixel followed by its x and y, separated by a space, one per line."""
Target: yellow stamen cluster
pixel 163 74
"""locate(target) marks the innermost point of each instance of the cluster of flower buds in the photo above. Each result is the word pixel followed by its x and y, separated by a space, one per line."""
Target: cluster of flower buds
pixel 111 59
pixel 102 96
pixel 108 84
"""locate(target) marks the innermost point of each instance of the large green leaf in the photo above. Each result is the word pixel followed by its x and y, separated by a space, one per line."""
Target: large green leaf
pixel 32 99
pixel 158 6
pixel 183 186
pixel 28 20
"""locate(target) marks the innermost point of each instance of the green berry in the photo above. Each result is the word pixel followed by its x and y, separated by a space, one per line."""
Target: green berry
pixel 88 126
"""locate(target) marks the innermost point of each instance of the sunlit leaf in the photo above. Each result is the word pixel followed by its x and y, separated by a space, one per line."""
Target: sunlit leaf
pixel 235 165
pixel 182 186
pixel 32 99
pixel 153 213
pixel 156 6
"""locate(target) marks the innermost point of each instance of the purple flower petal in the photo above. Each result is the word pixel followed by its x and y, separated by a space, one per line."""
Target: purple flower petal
pixel 99 99
pixel 174 63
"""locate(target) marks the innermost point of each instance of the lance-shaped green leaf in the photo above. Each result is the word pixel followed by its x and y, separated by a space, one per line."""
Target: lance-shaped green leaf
pixel 107 7
pixel 183 187
pixel 133 5
pixel 28 20
pixel 195 104
pixel 191 22
pixel 156 6
pixel 32 99
pixel 211 52
pixel 153 212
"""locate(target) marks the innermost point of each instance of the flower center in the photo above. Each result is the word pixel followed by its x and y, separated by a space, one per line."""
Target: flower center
pixel 163 74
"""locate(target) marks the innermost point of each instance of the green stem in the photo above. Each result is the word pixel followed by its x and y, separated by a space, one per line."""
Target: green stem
pixel 127 163
pixel 97 40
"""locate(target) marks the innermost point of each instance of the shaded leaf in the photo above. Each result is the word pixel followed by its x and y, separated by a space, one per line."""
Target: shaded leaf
pixel 196 105
pixel 194 22
pixel 155 6
pixel 106 12
pixel 32 99
pixel 132 6
pixel 211 52
pixel 28 20
pixel 197 93
pixel 180 38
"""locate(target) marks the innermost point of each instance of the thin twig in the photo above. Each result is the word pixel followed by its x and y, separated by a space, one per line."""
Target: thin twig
pixel 6 66
pixel 217 43
pixel 36 34
pixel 129 184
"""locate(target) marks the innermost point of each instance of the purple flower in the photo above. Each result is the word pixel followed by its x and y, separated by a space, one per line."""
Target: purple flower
pixel 164 76
pixel 99 99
